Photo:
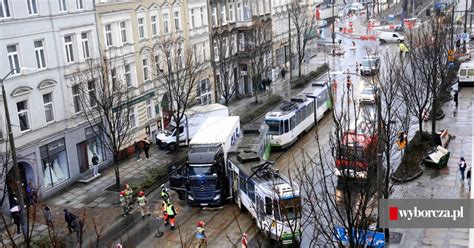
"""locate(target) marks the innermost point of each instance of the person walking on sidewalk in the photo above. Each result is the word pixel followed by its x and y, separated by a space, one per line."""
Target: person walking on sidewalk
pixel 69 218
pixel 124 203
pixel 468 178
pixel 146 148
pixel 128 194
pixel 143 204
pixel 16 216
pixel 462 167
pixel 157 214
pixel 138 150
pixel 171 211
pixel 48 217
pixel 95 163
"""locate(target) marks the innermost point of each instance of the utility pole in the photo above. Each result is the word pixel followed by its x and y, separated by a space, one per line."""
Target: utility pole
pixel 452 28
pixel 289 40
pixel 333 34
pixel 16 171
pixel 380 148
pixel 465 26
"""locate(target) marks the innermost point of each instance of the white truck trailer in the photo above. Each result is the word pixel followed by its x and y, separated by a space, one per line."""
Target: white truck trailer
pixel 192 121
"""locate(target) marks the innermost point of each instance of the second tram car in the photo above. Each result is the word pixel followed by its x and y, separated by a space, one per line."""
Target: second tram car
pixel 296 116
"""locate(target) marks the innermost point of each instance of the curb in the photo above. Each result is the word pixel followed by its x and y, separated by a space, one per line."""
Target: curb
pixel 399 180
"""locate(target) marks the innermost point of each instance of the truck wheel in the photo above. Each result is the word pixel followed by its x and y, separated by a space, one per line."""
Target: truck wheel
pixel 399 41
pixel 383 41
pixel 172 146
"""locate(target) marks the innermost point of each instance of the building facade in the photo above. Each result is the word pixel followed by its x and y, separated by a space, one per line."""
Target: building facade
pixel 240 31
pixel 54 146
pixel 131 33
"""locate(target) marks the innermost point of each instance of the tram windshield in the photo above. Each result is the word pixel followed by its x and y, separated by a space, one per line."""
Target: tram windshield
pixel 290 209
pixel 273 127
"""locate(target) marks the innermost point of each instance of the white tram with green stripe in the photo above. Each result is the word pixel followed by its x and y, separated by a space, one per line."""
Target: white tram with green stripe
pixel 294 117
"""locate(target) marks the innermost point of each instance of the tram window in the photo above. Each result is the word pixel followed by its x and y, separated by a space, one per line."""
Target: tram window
pixel 273 127
pixel 309 109
pixel 292 122
pixel 303 113
pixel 243 185
pixel 323 97
pixel 276 210
pixel 268 206
pixel 286 126
pixel 251 190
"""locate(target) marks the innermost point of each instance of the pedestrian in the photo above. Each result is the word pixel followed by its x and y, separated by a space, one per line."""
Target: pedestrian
pixel 462 167
pixel 29 194
pixel 48 217
pixel 69 218
pixel 78 225
pixel 468 177
pixel 200 235
pixel 146 148
pixel 95 163
pixel 357 67
pixel 143 204
pixel 128 194
pixel 283 72
pixel 15 213
pixel 157 213
pixel 138 150
pixel 456 98
pixel 165 214
pixel 164 193
pixel 124 203
pixel 171 211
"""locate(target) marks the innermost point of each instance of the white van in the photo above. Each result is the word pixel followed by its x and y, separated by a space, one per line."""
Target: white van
pixel 385 37
pixel 466 74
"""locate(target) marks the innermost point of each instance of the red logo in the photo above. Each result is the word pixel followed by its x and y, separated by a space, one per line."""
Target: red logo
pixel 393 213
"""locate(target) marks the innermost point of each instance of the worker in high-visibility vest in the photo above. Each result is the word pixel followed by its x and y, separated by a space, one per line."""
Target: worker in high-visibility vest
pixel 171 211
pixel 164 193
pixel 165 214
pixel 403 48
pixel 143 204
pixel 200 235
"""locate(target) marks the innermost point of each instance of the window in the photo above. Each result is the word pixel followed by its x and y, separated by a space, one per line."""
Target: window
pixel 141 28
pixel 62 5
pixel 165 23
pixel 146 71
pixel 55 166
pixel 108 35
pixel 239 11
pixel 128 75
pixel 223 15
pixel 231 12
pixel 123 32
pixel 75 99
pixel 242 184
pixel 214 20
pixel 132 118
pixel 193 22
pixel 48 107
pixel 113 76
pixel 39 52
pixel 92 95
pixel 32 7
pixel 176 20
pixel 4 9
pixel 204 92
pixel 85 45
pixel 22 108
pixel 69 48
pixel 251 190
pixel 154 25
pixel 204 51
pixel 203 20
pixel 79 4
pixel 149 108
pixel 180 55
pixel 13 59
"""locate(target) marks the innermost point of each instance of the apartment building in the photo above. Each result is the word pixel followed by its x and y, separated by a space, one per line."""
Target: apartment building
pixel 41 43
pixel 131 33
pixel 240 30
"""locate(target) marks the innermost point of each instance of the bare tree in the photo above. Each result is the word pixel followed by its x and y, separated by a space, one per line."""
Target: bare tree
pixel 345 201
pixel 179 76
pixel 304 22
pixel 226 77
pixel 259 53
pixel 104 102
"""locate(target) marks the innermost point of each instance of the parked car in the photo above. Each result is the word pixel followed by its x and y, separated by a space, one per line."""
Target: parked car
pixel 385 37
pixel 367 95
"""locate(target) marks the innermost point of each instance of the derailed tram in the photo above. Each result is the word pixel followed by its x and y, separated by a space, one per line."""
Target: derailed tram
pixel 271 198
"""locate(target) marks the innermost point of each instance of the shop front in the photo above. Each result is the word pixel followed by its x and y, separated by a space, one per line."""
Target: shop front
pixel 90 146
pixel 54 162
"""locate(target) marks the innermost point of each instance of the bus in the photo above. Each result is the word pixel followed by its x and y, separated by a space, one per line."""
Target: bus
pixel 272 199
pixel 291 118
pixel 357 150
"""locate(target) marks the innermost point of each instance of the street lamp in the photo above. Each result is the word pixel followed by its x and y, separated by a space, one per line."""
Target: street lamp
pixel 16 172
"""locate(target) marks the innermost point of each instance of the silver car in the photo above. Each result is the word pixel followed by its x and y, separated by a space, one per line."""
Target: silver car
pixel 367 95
